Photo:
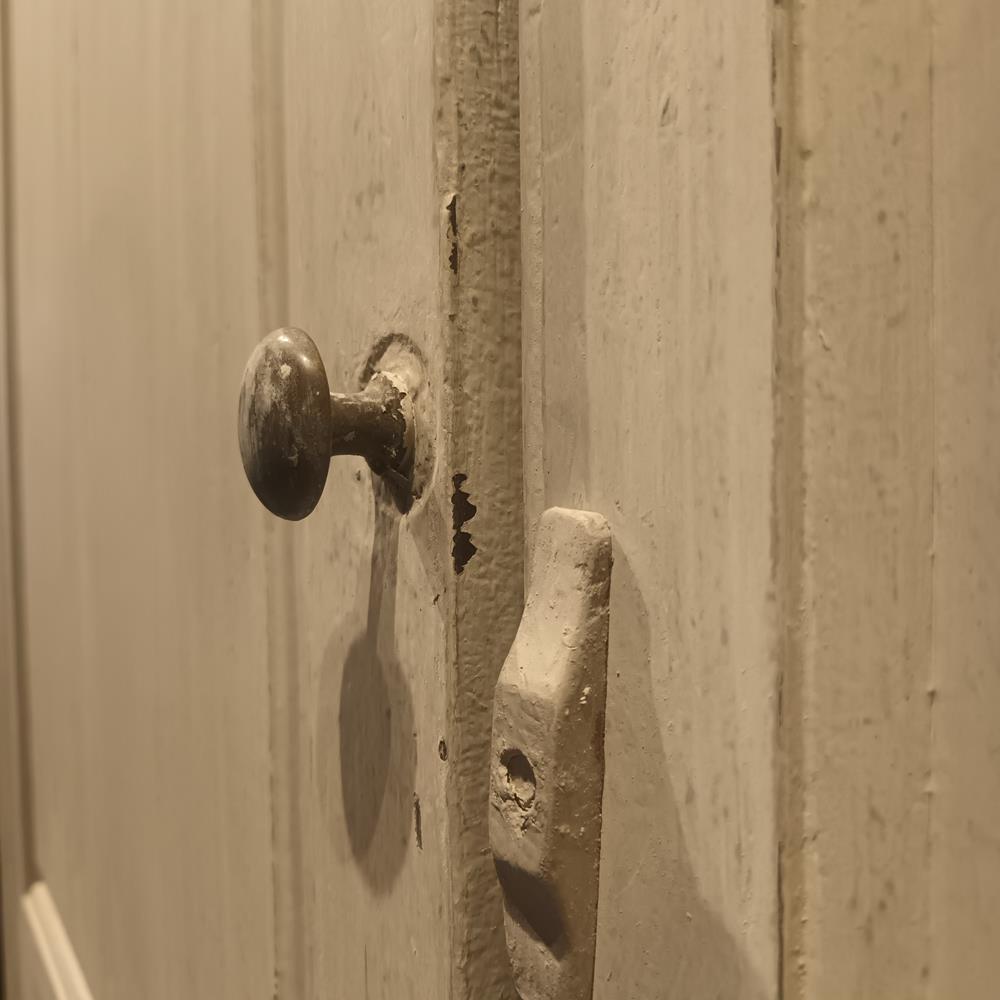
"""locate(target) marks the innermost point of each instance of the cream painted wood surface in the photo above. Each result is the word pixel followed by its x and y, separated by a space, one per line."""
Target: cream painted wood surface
pixel 964 783
pixel 857 703
pixel 760 328
pixel 135 301
pixel 648 237
pixel 14 823
pixel 772 364
pixel 401 217
pixel 259 752
pixel 888 579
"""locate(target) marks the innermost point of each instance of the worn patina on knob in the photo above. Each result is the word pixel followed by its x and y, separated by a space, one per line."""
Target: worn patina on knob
pixel 290 424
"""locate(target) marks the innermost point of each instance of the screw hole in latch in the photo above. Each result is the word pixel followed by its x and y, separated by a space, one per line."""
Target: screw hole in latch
pixel 519 776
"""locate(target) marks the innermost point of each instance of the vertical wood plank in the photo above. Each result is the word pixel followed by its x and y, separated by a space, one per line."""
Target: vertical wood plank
pixel 402 219
pixel 14 827
pixel 965 738
pixel 135 260
pixel 857 380
pixel 13 859
pixel 478 177
pixel 362 701
pixel 648 242
pixel 15 803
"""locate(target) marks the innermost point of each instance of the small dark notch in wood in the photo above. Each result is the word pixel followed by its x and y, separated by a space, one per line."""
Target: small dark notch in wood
pixel 463 511
pixel 417 826
pixel 453 233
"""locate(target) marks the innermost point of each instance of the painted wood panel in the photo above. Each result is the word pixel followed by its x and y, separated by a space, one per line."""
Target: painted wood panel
pixel 860 445
pixel 14 823
pixel 257 750
pixel 964 784
pixel 135 284
pixel 228 701
pixel 400 137
pixel 648 239
pixel 889 237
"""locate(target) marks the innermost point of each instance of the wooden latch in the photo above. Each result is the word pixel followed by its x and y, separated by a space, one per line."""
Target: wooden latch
pixel 547 766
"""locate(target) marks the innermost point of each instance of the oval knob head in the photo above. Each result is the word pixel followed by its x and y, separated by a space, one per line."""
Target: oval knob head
pixel 285 423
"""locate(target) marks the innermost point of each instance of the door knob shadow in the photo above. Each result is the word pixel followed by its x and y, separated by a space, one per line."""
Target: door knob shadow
pixel 375 726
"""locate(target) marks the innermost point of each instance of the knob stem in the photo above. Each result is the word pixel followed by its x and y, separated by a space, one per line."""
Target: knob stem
pixel 374 424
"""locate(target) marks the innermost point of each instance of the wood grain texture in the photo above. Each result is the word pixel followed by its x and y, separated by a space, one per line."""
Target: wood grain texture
pixel 135 258
pixel 479 186
pixel 362 702
pixel 400 219
pixel 963 957
pixel 648 241
pixel 856 382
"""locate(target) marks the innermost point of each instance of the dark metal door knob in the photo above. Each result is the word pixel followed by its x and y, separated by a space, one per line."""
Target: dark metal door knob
pixel 290 424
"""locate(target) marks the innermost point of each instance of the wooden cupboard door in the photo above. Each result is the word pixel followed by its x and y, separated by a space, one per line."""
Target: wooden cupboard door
pixel 756 332
pixel 398 217
pixel 648 316
pixel 760 336
pixel 134 274
pixel 889 398
pixel 255 754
